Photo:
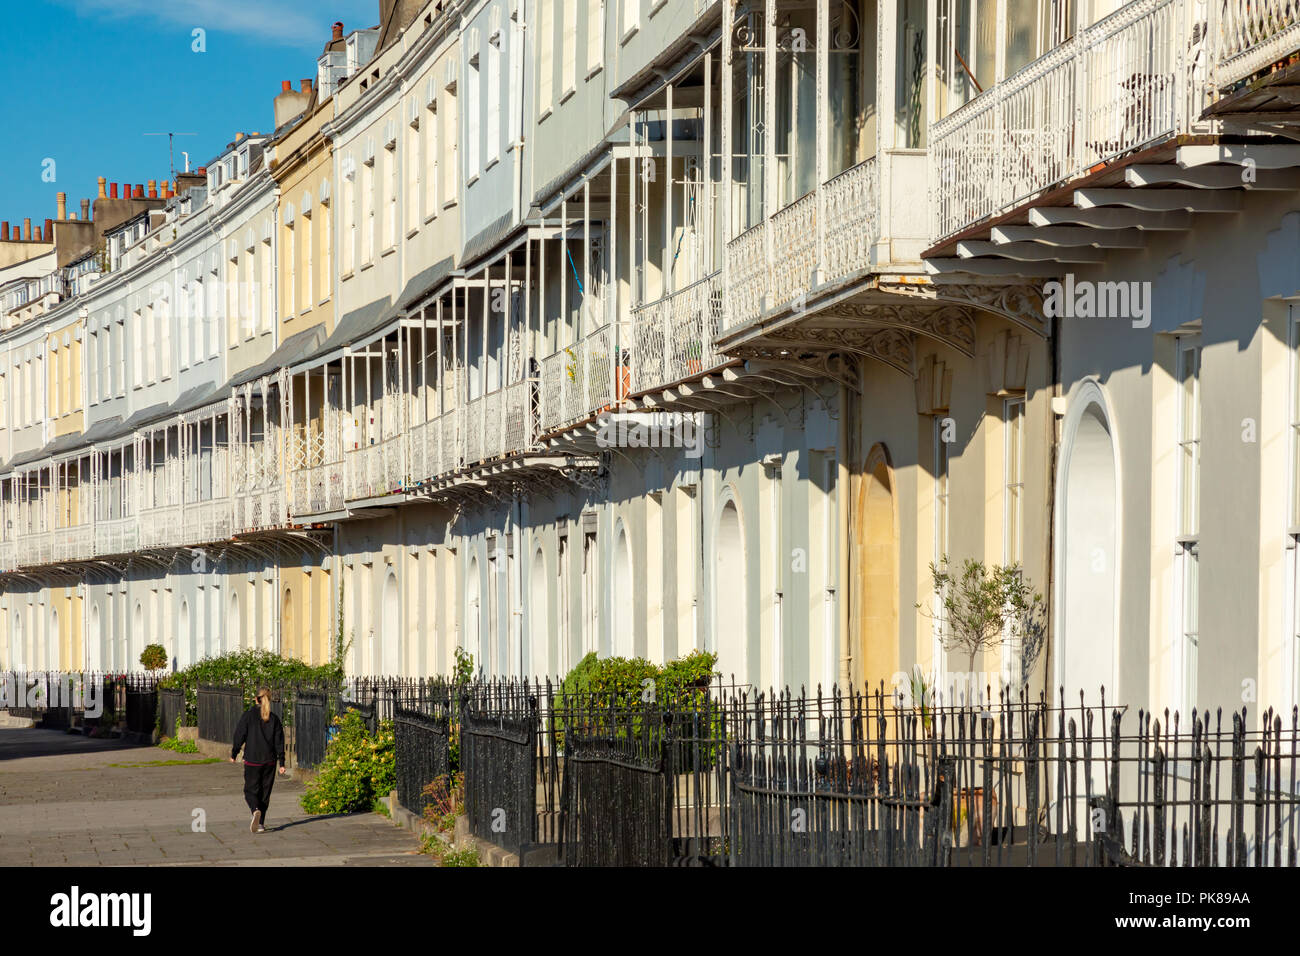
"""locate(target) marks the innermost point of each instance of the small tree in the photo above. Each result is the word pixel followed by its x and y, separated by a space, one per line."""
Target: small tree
pixel 154 657
pixel 986 606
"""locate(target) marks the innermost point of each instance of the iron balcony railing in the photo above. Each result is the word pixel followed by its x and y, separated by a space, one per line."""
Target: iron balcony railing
pixel 583 379
pixel 672 337
pixel 1248 35
pixel 819 241
pixel 1129 80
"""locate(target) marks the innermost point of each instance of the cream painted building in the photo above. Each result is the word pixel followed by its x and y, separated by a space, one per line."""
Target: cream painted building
pixel 644 327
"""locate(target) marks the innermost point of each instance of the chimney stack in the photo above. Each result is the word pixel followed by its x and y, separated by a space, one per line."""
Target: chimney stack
pixel 61 205
pixel 101 188
pixel 85 210
pixel 338 29
pixel 139 191
pixel 306 85
pixel 37 234
pixel 49 230
pixel 112 191
pixel 27 230
pixel 153 189
pixel 4 231
pixel 286 86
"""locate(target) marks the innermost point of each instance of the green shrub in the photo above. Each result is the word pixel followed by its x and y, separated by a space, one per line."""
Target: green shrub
pixel 357 770
pixel 249 669
pixel 632 684
pixel 175 744
pixel 153 657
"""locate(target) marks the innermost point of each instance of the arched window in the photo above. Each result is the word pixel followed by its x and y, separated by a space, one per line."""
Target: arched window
pixel 623 638
pixel 730 591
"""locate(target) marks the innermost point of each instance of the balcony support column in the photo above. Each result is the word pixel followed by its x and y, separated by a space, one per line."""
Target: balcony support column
pixel 586 306
pixel 769 147
pixel 823 41
pixel 666 284
pixel 724 153
pixel 704 217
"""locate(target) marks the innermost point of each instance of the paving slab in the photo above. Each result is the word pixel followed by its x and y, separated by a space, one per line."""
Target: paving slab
pixel 67 800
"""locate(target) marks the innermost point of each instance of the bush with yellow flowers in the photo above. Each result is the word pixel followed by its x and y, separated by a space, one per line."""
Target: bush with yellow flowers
pixel 358 768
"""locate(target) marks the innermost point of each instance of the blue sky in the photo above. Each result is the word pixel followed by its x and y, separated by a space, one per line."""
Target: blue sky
pixel 84 80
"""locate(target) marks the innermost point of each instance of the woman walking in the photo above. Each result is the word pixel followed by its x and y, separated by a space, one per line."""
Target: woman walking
pixel 261 735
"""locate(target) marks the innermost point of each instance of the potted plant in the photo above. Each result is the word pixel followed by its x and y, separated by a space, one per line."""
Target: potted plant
pixel 694 357
pixel 982 608
pixel 153 657
pixel 623 384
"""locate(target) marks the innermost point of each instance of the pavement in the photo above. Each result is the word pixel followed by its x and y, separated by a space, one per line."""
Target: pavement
pixel 67 800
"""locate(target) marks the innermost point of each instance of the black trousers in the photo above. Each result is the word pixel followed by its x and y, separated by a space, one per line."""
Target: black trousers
pixel 257 787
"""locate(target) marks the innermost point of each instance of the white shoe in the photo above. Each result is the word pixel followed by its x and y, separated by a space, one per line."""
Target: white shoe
pixel 256 823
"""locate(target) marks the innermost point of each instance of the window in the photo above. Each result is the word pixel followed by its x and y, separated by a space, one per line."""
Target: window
pixel 569 49
pixel 1013 414
pixel 412 165
pixel 631 17
pixel 595 34
pixel 494 100
pixel 1293 511
pixel 249 289
pixel 232 300
pixel 941 498
pixel 308 260
pixel 326 239
pixel 545 57
pixel 472 130
pixel 164 338
pixel 431 194
pixel 390 196
pixel 268 287
pixel 1013 504
pixel 290 277
pixel 830 559
pixel 450 169
pixel 1188 373
pixel 92 369
pixel 367 211
pixel 137 353
pixel 776 557
pixel 349 224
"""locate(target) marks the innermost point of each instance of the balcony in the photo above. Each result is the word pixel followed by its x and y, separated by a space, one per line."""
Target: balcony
pixel 498 424
pixel 791 256
pixel 578 381
pixel 207 521
pixel 318 489
pixel 73 543
pixel 116 536
pixel 672 337
pixel 1251 35
pixel 1125 83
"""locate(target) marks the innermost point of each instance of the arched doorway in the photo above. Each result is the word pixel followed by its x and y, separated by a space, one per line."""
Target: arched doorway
pixel 232 622
pixel 874 604
pixel 136 645
pixel 288 637
pixel 730 628
pixel 540 634
pixel 390 653
pixel 185 635
pixel 95 650
pixel 624 645
pixel 473 618
pixel 1087 553
pixel 52 642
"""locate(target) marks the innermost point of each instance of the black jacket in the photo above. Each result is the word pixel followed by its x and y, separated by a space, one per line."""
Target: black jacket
pixel 263 742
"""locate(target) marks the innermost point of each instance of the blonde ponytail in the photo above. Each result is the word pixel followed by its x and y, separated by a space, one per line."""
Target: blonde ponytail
pixel 264 699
